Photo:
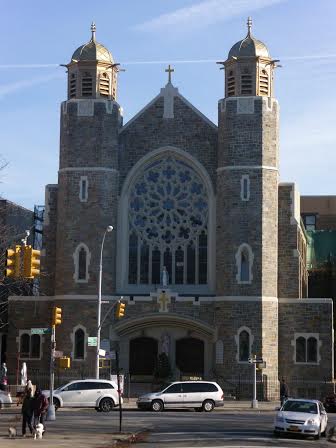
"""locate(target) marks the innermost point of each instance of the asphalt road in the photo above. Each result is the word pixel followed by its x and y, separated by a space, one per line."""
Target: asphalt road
pixel 77 428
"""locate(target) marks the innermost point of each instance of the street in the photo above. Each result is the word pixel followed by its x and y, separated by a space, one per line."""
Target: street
pixel 76 428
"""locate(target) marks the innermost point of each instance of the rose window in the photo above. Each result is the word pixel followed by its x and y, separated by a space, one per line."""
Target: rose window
pixel 168 220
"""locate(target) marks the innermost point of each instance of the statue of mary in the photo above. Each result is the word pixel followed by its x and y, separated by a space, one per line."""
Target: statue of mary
pixel 164 277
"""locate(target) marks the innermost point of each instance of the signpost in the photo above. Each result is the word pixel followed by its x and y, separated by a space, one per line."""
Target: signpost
pixel 254 360
pixel 92 341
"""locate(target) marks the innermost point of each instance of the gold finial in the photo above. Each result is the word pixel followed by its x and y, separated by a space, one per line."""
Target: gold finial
pixel 249 26
pixel 169 70
pixel 93 31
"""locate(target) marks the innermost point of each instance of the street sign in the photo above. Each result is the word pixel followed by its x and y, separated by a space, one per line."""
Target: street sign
pixel 255 360
pixel 102 352
pixel 105 345
pixel 92 341
pixel 40 331
pixel 58 354
pixel 261 365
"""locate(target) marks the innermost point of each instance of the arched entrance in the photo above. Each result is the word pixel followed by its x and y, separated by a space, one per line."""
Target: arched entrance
pixel 190 356
pixel 143 356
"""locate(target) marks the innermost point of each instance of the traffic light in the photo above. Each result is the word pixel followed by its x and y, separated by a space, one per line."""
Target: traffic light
pixel 120 310
pixel 64 362
pixel 13 262
pixel 57 316
pixel 31 262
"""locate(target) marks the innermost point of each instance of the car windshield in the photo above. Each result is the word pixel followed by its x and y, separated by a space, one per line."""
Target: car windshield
pixel 300 406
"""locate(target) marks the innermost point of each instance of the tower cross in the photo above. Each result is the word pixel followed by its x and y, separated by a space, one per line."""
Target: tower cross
pixel 249 26
pixel 169 70
pixel 93 31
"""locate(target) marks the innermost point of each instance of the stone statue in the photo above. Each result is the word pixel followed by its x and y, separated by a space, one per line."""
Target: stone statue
pixel 3 374
pixel 165 344
pixel 164 277
pixel 24 374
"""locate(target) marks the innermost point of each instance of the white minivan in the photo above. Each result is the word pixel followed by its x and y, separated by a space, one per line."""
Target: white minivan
pixel 99 394
pixel 200 395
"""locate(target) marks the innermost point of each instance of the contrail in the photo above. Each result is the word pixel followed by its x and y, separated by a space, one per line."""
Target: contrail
pixel 177 61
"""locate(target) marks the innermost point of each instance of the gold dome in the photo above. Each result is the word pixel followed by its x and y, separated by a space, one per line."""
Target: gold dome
pixel 92 51
pixel 249 47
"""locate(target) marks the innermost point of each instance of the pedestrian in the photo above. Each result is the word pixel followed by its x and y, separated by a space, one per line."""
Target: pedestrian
pixel 284 391
pixel 27 413
pixel 40 407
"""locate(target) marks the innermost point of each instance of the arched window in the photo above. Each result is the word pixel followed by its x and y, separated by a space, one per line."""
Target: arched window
pixel 73 86
pixel 104 84
pixel 244 262
pixel 79 344
pixel 25 345
pixel 82 258
pixel 263 83
pixel 244 346
pixel 311 349
pixel 35 346
pixel 168 223
pixel 87 84
pixel 231 84
pixel 246 82
pixel 301 349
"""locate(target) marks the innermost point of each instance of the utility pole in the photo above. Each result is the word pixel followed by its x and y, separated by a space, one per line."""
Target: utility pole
pixel 51 415
pixel 254 361
pixel 119 390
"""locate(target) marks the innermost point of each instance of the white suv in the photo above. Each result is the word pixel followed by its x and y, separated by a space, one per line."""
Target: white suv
pixel 99 394
pixel 200 395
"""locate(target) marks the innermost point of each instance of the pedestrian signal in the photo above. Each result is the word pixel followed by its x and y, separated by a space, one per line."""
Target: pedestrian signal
pixel 57 316
pixel 31 262
pixel 13 262
pixel 120 310
pixel 64 362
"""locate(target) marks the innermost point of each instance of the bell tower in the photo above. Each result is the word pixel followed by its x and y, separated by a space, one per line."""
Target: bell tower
pixel 247 193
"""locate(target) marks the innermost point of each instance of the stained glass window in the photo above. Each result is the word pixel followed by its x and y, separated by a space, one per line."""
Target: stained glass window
pixel 168 223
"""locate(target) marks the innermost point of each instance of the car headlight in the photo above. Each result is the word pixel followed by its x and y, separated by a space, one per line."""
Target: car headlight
pixel 312 421
pixel 280 419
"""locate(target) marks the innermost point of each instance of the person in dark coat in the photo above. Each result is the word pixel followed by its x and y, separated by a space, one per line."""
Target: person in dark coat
pixel 40 407
pixel 284 391
pixel 27 412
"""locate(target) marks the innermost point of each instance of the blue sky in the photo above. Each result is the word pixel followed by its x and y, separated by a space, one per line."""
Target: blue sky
pixel 37 36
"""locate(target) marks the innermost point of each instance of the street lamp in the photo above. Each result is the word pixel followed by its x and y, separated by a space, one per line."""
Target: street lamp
pixel 107 230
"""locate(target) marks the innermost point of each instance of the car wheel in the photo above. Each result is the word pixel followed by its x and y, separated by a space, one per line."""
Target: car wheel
pixel 106 405
pixel 57 404
pixel 208 405
pixel 157 406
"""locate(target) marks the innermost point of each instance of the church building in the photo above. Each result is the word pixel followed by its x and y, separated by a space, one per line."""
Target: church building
pixel 208 250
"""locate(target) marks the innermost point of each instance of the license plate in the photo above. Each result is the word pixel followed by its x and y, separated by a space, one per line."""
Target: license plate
pixel 294 428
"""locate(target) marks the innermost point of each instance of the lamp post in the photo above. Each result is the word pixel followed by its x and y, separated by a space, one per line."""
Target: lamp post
pixel 108 229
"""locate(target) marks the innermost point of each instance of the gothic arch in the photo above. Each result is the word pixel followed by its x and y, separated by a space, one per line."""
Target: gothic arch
pixel 123 220
pixel 81 257
pixel 244 263
pixel 73 341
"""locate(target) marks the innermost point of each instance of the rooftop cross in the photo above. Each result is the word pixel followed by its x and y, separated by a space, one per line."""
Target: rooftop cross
pixel 249 26
pixel 93 31
pixel 169 70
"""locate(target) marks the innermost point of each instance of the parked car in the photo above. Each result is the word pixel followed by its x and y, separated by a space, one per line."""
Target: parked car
pixel 330 403
pixel 5 399
pixel 99 394
pixel 300 416
pixel 200 395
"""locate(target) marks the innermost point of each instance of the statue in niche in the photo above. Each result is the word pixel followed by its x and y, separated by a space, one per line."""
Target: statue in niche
pixel 165 344
pixel 164 277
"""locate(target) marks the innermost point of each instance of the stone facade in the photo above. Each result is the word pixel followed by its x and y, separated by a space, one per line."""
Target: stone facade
pixel 217 305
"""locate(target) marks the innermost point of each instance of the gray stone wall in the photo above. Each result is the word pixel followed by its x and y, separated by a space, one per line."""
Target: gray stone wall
pixel 186 131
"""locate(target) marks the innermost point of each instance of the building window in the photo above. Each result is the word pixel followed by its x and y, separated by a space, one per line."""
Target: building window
pixel 231 87
pixel 306 348
pixel 79 343
pixel 104 84
pixel 310 222
pixel 244 263
pixel 263 83
pixel 30 345
pixel 82 258
pixel 83 189
pixel 244 341
pixel 168 224
pixel 246 82
pixel 245 187
pixel 219 352
pixel 73 86
pixel 87 84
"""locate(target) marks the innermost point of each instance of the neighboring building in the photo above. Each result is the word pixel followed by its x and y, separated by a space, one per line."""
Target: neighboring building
pixel 14 220
pixel 200 200
pixel 319 212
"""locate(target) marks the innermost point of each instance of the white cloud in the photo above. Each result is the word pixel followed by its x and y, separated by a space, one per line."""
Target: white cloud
pixel 7 89
pixel 204 13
